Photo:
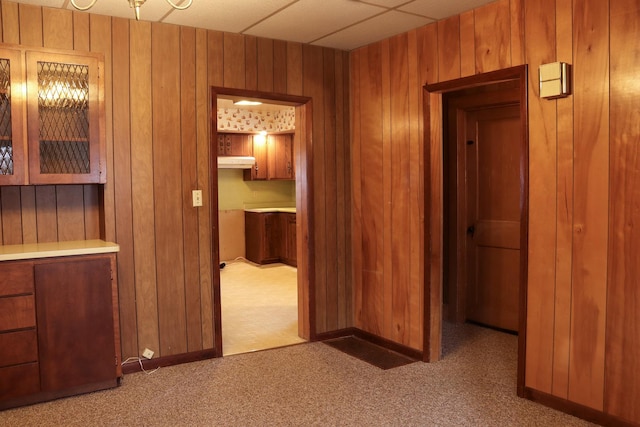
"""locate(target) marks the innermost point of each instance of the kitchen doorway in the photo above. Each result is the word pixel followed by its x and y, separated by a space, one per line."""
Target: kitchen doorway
pixel 296 222
pixel 480 229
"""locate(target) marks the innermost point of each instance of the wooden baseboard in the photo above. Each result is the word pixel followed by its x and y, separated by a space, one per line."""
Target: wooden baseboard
pixel 575 409
pixel 149 364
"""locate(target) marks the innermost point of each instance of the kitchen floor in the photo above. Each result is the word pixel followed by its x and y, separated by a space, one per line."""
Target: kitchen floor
pixel 259 307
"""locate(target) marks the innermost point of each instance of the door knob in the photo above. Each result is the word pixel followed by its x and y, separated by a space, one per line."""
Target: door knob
pixel 470 230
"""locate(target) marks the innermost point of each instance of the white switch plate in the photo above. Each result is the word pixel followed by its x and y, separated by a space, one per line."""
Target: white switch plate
pixel 147 354
pixel 197 198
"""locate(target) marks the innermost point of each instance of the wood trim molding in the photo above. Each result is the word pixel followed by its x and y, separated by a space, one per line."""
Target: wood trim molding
pixel 433 299
pixel 575 409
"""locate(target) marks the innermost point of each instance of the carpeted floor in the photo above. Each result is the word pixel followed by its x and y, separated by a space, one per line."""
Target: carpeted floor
pixel 313 384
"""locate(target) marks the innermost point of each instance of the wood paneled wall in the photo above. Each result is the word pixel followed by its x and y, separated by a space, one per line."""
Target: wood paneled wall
pixel 157 80
pixel 583 340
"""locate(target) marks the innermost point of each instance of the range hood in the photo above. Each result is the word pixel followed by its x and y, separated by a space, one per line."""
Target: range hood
pixel 236 162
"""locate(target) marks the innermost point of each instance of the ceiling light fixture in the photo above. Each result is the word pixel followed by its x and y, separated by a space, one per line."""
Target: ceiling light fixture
pixel 247 102
pixel 134 4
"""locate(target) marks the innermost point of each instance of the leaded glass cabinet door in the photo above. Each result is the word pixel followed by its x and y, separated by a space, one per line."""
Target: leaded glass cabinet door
pixel 65 104
pixel 13 144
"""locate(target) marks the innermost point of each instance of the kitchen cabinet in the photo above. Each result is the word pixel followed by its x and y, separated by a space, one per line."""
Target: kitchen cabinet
pixel 263 237
pixel 290 246
pixel 270 237
pixel 234 144
pixel 274 158
pixel 64 114
pixel 58 328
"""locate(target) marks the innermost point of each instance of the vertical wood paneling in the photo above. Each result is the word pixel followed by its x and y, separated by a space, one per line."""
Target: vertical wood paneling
pixel 11 230
pixel 251 63
pixel 591 170
pixel 279 66
pixel 517 32
pixel 467 44
pixel 81 31
pixel 99 26
pixel 401 188
pixel 356 59
pixel 328 188
pixel 234 62
pixel 540 35
pixel 123 208
pixel 622 369
pixel 370 291
pixel 565 186
pixel 57 28
pixel 30 25
pixel 190 182
pixel 414 153
pixel 215 57
pixel 386 293
pixel 142 188
pixel 168 199
pixel 206 258
pixel 294 68
pixel 313 72
pixel 265 65
pixel 46 213
pixel 493 36
pixel 449 48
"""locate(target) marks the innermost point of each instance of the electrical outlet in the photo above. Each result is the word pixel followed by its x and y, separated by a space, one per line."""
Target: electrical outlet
pixel 197 198
pixel 147 354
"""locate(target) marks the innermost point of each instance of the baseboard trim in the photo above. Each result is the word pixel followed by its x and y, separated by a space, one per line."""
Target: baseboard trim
pixel 575 409
pixel 177 359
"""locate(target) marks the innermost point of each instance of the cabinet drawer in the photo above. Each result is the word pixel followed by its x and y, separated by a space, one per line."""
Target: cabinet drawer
pixel 17 312
pixel 18 347
pixel 16 278
pixel 17 381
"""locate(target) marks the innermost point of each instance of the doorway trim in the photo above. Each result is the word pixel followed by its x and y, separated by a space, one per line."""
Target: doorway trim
pixel 303 162
pixel 434 140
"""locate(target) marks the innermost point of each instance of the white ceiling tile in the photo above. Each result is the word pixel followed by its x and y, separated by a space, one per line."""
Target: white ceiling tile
pixel 308 20
pixel 372 30
pixel 386 3
pixel 439 9
pixel 225 15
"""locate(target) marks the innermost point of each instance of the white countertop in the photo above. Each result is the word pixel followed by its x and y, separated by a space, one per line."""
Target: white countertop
pixel 56 249
pixel 264 210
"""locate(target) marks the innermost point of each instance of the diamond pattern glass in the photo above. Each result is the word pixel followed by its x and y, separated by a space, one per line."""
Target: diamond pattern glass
pixel 6 145
pixel 63 106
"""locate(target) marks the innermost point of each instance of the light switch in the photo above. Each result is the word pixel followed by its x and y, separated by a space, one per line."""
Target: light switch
pixel 554 80
pixel 197 198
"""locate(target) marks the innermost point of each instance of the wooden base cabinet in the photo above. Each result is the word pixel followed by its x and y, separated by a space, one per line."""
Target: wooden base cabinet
pixel 270 237
pixel 59 330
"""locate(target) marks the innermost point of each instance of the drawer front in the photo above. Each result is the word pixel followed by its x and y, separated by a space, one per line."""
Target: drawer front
pixel 16 278
pixel 18 347
pixel 17 312
pixel 17 381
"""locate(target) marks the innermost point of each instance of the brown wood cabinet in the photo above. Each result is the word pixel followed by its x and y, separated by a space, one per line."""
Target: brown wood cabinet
pixel 270 237
pixel 64 114
pixel 58 328
pixel 274 158
pixel 234 144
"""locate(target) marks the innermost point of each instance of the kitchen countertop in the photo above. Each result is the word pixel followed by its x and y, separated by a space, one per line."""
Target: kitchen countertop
pixel 265 210
pixel 56 249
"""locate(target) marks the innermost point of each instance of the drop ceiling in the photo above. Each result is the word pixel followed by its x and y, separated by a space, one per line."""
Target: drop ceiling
pixel 339 24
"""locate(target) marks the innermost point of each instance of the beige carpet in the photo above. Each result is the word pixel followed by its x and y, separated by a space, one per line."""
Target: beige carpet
pixel 313 384
pixel 259 306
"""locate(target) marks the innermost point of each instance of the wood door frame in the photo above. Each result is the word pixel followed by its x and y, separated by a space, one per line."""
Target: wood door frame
pixel 433 140
pixel 303 161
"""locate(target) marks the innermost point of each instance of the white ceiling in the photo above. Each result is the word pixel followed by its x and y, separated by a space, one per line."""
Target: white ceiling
pixel 340 24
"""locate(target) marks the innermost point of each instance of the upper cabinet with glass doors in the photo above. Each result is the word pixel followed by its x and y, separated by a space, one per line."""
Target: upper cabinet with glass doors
pixel 64 116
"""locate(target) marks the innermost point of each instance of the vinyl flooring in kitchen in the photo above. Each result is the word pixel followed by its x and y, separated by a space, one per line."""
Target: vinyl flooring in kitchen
pixel 259 307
